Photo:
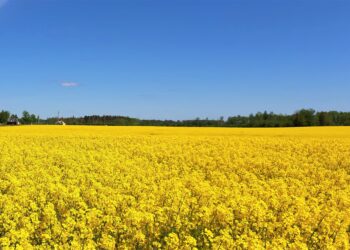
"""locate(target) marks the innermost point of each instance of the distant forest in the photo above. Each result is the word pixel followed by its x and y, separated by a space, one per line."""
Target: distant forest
pixel 303 117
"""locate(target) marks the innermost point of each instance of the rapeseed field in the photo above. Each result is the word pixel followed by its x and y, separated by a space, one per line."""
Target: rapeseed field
pixel 77 187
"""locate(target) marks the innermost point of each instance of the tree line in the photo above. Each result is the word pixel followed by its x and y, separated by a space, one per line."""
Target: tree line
pixel 303 117
pixel 26 117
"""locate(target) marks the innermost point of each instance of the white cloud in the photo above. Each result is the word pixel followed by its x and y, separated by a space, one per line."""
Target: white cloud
pixel 69 84
pixel 2 3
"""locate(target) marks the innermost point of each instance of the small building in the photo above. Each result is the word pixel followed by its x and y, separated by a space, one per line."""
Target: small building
pixel 60 122
pixel 13 121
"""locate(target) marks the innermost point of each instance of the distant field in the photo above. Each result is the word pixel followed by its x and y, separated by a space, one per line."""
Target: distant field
pixel 76 187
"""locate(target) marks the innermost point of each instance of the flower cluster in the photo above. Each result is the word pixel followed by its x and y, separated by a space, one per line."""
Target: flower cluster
pixel 174 188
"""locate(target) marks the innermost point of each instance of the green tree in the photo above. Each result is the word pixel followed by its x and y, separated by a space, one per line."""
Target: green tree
pixel 324 119
pixel 33 119
pixel 4 116
pixel 304 117
pixel 26 118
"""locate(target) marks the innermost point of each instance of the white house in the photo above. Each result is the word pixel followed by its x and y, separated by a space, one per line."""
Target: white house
pixel 60 122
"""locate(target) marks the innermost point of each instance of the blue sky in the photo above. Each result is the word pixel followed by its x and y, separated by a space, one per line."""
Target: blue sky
pixel 175 59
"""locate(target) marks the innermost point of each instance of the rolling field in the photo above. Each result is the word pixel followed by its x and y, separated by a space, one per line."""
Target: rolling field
pixel 78 187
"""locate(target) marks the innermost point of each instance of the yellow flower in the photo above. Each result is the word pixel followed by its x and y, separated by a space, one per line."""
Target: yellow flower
pixel 79 187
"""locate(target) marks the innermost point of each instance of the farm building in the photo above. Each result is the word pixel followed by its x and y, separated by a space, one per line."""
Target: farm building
pixel 60 122
pixel 13 121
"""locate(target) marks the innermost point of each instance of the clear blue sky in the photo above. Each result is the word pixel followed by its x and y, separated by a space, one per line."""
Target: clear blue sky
pixel 174 59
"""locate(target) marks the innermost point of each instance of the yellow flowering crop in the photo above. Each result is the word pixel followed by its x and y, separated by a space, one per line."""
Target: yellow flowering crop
pixel 174 188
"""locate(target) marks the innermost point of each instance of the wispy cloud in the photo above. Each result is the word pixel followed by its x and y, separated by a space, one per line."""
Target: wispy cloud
pixel 69 84
pixel 2 3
